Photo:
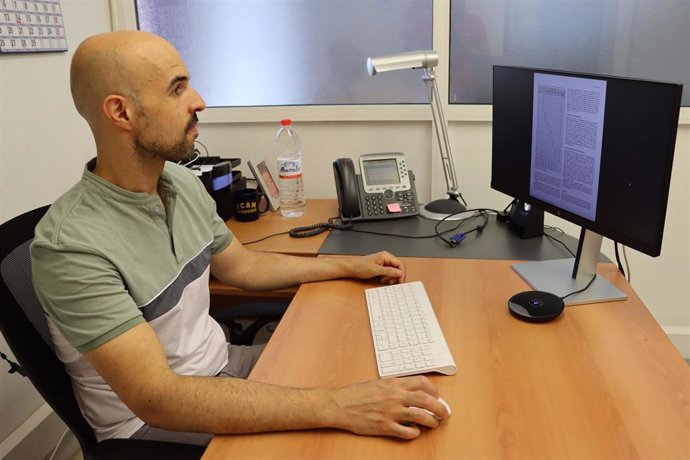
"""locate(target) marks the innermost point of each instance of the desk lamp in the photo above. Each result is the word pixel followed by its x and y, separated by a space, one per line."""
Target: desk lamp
pixel 427 60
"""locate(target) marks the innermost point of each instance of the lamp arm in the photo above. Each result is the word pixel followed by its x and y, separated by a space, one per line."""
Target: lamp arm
pixel 441 128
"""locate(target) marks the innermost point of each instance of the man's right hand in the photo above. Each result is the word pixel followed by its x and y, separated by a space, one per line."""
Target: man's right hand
pixel 391 407
pixel 135 366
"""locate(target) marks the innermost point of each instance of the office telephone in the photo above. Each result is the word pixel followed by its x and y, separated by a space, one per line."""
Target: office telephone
pixel 384 190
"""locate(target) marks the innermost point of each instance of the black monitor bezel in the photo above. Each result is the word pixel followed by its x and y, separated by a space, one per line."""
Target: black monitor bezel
pixel 652 248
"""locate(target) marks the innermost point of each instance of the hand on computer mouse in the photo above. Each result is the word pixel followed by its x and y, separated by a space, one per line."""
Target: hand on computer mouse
pixel 442 401
pixel 387 407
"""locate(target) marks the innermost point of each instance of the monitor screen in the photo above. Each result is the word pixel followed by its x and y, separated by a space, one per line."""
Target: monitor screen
pixel 595 150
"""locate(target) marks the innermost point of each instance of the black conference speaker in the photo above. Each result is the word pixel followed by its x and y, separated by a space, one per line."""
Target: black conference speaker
pixel 526 221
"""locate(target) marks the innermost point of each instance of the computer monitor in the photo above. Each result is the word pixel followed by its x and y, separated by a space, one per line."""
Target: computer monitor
pixel 595 150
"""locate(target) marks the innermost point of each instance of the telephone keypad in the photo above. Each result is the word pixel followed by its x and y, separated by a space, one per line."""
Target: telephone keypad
pixel 376 204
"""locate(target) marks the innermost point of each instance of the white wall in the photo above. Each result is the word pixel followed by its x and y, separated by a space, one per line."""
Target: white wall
pixel 43 147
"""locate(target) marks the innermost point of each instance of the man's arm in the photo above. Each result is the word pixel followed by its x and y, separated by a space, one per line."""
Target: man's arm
pixel 257 271
pixel 134 365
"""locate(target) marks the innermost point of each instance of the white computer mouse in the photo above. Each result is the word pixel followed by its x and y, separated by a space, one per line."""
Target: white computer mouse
pixel 442 401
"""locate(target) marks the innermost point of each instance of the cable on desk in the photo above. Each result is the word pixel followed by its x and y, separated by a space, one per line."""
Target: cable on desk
pixel 316 229
pixel 555 229
pixel 552 238
pixel 457 238
pixel 265 238
pixel 302 232
pixel 411 237
pixel 332 223
pixel 350 227
pixel 581 290
pixel 437 233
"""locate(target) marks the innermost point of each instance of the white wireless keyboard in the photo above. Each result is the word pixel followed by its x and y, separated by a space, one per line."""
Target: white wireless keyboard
pixel 407 337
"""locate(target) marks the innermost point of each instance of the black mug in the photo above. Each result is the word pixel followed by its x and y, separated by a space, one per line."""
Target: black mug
pixel 247 202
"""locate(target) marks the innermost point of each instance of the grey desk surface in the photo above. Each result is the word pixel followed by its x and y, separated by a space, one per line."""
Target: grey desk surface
pixel 494 242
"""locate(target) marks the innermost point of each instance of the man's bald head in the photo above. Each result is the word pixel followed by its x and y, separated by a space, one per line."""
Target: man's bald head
pixel 114 63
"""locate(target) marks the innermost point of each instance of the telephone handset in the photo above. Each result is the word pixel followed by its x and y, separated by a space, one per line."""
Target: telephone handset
pixel 384 190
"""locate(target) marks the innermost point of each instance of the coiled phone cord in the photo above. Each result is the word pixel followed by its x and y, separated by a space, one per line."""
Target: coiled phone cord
pixel 315 229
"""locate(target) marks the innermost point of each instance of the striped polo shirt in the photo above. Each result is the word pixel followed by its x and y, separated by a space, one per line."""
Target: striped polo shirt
pixel 105 259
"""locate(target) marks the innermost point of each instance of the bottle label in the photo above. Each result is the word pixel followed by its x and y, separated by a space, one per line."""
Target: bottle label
pixel 290 169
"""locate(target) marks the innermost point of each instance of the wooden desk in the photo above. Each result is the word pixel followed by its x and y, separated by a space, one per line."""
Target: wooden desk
pixel 602 381
pixel 318 210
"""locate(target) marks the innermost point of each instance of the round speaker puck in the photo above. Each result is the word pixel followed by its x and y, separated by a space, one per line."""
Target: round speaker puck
pixel 535 306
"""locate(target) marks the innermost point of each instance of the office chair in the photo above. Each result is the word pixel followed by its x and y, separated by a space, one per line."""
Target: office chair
pixel 256 316
pixel 23 324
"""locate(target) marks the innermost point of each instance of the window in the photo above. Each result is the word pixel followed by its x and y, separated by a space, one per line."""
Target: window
pixel 634 38
pixel 299 52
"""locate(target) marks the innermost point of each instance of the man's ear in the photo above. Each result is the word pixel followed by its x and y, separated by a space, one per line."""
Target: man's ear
pixel 117 109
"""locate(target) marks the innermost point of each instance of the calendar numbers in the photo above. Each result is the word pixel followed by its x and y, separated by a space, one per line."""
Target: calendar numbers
pixel 31 26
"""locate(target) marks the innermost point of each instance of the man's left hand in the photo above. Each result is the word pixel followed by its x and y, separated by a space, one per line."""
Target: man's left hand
pixel 389 268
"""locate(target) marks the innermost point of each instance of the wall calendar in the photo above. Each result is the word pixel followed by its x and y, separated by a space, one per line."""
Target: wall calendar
pixel 31 26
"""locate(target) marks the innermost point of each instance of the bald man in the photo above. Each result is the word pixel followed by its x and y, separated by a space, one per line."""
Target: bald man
pixel 121 265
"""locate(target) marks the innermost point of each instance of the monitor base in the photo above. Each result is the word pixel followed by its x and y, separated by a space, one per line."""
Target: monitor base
pixel 555 276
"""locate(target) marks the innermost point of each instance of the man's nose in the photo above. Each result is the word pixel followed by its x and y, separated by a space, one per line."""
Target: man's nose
pixel 198 103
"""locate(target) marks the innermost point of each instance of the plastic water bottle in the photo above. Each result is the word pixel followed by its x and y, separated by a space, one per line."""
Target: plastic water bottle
pixel 288 151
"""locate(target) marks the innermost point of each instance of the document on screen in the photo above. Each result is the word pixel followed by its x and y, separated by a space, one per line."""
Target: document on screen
pixel 567 130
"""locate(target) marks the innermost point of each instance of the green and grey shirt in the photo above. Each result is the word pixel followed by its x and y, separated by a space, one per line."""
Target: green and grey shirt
pixel 105 259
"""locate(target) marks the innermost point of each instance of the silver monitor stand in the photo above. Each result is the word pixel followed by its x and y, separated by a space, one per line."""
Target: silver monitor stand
pixel 563 276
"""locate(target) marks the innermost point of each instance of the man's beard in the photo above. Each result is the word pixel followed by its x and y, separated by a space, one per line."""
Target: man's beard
pixel 181 150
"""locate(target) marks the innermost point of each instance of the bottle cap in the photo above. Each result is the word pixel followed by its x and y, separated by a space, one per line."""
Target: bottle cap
pixel 285 122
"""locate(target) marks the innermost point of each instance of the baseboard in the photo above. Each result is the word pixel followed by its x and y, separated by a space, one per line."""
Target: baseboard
pixel 24 429
pixel 41 440
pixel 680 336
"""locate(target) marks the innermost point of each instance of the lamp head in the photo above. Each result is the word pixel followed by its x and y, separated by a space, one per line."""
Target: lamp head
pixel 411 60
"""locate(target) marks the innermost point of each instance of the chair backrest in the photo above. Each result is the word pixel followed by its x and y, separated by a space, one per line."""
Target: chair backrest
pixel 23 324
